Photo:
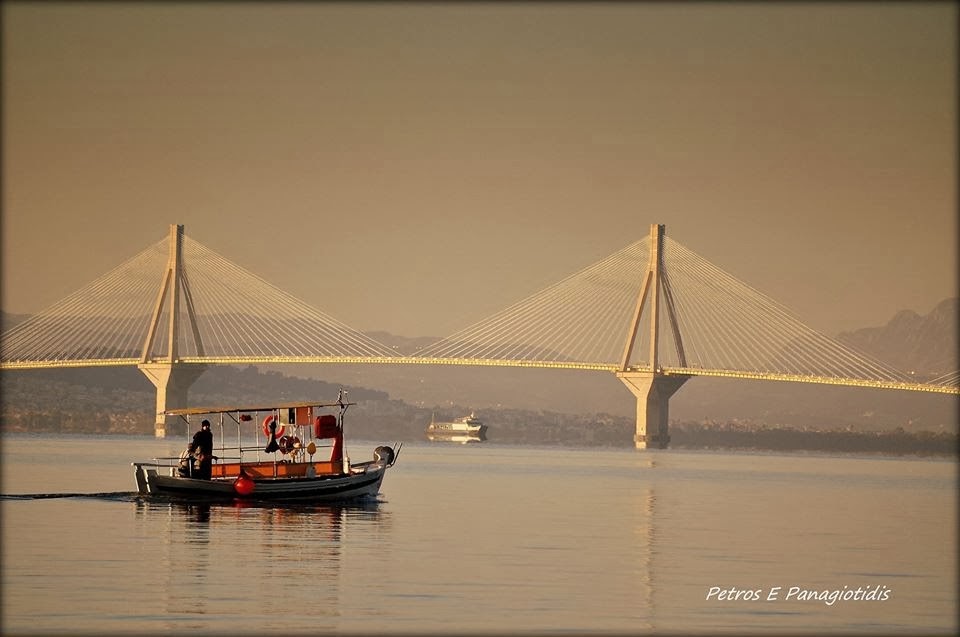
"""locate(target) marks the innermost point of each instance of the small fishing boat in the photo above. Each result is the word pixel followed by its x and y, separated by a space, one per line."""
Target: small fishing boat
pixel 279 466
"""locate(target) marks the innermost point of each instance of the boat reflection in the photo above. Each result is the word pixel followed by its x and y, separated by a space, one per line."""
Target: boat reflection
pixel 298 549
pixel 458 438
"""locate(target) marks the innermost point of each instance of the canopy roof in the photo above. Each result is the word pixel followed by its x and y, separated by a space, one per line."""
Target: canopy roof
pixel 196 411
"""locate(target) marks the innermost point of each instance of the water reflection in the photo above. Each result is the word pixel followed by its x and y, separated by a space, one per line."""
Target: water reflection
pixel 464 438
pixel 369 509
pixel 215 558
pixel 199 513
pixel 645 539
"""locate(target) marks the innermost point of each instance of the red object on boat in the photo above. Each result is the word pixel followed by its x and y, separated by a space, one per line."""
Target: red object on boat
pixel 336 455
pixel 243 485
pixel 325 426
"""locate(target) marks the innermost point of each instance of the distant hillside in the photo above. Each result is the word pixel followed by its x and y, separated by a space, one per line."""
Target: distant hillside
pixel 924 345
pixel 402 345
pixel 122 400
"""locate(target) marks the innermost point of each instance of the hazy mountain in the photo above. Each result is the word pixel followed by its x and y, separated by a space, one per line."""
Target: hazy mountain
pixel 924 345
pixel 402 345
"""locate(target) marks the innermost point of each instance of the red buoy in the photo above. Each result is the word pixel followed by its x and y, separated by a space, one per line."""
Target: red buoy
pixel 243 485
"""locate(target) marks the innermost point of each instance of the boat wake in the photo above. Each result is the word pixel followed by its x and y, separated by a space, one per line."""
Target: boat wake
pixel 118 496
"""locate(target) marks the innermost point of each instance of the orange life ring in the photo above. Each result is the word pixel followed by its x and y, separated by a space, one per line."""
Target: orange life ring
pixel 266 427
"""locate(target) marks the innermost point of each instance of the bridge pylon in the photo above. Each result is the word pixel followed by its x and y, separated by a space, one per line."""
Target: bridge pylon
pixel 651 387
pixel 653 392
pixel 171 377
pixel 172 381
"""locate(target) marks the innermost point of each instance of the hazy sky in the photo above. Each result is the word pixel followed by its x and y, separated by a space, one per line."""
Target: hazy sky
pixel 415 168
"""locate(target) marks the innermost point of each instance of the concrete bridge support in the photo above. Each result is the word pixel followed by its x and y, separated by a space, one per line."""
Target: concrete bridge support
pixel 172 379
pixel 653 388
pixel 172 382
pixel 653 392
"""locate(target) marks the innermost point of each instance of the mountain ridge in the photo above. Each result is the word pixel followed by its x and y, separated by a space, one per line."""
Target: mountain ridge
pixel 924 345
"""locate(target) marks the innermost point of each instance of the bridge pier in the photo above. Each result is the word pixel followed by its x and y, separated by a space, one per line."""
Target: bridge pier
pixel 653 392
pixel 172 382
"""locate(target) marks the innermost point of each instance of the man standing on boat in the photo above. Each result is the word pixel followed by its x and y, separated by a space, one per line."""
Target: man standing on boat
pixel 203 445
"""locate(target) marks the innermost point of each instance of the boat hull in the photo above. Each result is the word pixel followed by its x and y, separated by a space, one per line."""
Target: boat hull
pixel 362 482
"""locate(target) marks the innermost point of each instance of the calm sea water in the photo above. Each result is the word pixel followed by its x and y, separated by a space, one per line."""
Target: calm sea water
pixel 485 538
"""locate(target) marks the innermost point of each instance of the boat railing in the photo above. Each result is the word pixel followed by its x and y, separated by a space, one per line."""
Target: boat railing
pixel 231 459
pixel 244 457
pixel 227 467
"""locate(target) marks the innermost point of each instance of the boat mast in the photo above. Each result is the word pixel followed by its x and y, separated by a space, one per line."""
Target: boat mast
pixel 343 437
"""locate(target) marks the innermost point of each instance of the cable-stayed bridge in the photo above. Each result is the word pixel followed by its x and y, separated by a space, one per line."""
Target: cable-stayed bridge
pixel 654 313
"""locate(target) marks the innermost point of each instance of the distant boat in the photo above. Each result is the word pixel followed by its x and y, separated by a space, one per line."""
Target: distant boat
pixel 465 426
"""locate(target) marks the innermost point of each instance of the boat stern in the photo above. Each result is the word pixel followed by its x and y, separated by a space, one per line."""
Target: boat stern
pixel 386 455
pixel 142 476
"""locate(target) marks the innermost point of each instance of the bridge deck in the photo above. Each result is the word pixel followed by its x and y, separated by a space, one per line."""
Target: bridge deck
pixel 480 362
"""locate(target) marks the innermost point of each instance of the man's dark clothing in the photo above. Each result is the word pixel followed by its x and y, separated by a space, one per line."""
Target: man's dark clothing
pixel 203 444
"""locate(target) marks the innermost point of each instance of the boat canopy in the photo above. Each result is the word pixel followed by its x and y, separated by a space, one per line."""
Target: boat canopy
pixel 196 411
